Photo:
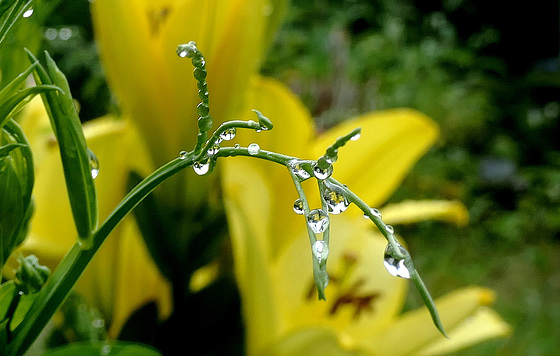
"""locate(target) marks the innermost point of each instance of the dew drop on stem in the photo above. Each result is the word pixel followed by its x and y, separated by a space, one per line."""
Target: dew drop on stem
pixel 253 149
pixel 336 202
pixel 395 265
pixel 318 220
pixel 296 166
pixel 201 168
pixel 320 250
pixel 228 134
pixel 93 163
pixel 298 207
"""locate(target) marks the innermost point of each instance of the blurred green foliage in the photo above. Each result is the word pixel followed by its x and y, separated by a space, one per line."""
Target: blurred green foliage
pixel 488 73
pixel 492 82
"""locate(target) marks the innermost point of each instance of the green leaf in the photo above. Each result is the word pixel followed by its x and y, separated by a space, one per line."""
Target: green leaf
pixel 4 334
pixel 16 83
pixel 5 150
pixel 14 15
pixel 22 308
pixel 73 149
pixel 16 102
pixel 16 185
pixel 119 348
pixel 7 294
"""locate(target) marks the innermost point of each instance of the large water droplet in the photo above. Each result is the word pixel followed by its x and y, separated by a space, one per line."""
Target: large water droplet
pixel 322 174
pixel 297 168
pixel 228 134
pixel 394 265
pixel 213 150
pixel 201 168
pixel 298 207
pixel 320 250
pixel 93 164
pixel 186 50
pixel 318 220
pixel 253 149
pixel 336 202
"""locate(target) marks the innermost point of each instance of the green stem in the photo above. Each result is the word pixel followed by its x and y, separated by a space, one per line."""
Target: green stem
pixel 353 198
pixel 76 260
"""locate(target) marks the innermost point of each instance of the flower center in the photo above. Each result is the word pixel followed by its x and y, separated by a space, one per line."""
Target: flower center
pixel 350 291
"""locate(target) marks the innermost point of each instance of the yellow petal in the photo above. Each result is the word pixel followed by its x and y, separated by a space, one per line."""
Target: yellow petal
pixel 125 34
pixel 230 35
pixel 411 211
pixel 247 202
pixel 290 135
pixel 310 341
pixel 52 230
pixel 417 325
pixel 138 279
pixel 362 297
pixel 485 324
pixel 138 40
pixel 391 142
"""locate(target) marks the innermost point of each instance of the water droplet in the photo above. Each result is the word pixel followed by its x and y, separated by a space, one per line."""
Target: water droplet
pixel 187 49
pixel 253 149
pixel 183 154
pixel 228 134
pixel 332 159
pixel 201 168
pixel 322 174
pixel 297 168
pixel 202 109
pixel 28 12
pixel 320 250
pixel 198 61
pixel 389 229
pixel 237 145
pixel 298 207
pixel 213 150
pixel 394 265
pixel 356 137
pixel 93 163
pixel 375 212
pixel 318 220
pixel 336 201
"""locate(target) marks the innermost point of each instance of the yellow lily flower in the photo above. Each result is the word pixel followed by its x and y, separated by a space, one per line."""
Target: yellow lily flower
pixel 137 40
pixel 272 254
pixel 122 277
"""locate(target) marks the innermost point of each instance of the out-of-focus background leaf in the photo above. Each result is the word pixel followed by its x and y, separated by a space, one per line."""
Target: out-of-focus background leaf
pixel 488 73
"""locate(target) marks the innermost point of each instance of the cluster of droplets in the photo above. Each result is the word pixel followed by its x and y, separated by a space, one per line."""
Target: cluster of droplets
pixel 189 50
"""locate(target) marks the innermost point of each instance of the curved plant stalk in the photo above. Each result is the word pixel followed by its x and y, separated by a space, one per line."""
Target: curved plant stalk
pixel 57 288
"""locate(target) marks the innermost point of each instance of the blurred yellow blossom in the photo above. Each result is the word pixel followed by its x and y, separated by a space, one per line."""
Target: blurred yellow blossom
pixel 122 277
pixel 273 258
